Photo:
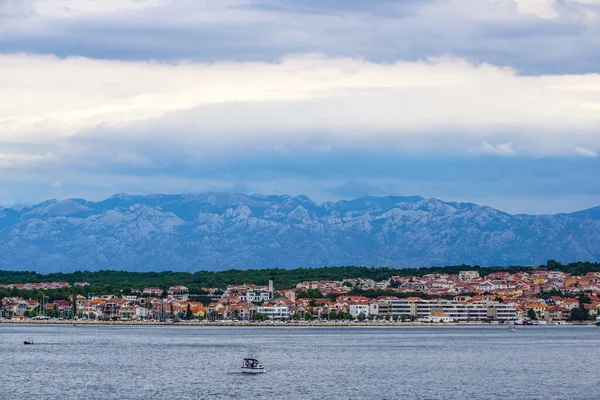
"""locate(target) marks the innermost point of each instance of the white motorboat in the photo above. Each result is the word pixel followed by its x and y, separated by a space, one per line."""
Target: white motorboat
pixel 252 366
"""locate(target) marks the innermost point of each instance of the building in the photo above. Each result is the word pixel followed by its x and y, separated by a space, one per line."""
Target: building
pixel 275 312
pixel 438 316
pixel 468 275
pixel 178 289
pixel 156 291
pixel 558 313
pixel 255 296
pixel 502 312
pixel 456 310
pixel 355 309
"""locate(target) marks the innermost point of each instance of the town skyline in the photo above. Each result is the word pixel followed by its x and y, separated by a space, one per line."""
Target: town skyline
pixel 480 294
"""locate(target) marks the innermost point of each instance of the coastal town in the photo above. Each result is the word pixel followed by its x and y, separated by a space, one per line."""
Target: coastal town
pixel 541 297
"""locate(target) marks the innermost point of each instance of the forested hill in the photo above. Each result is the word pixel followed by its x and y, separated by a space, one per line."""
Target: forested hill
pixel 219 231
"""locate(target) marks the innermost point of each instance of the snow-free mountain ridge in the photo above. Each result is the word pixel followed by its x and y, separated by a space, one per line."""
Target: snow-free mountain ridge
pixel 216 231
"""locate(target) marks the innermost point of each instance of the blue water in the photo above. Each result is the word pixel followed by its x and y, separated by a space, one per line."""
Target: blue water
pixel 164 362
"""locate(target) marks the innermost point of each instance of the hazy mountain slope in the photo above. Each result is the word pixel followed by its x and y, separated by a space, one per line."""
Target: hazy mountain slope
pixel 221 231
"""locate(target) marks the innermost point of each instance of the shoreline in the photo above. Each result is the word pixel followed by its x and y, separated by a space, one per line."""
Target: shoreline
pixel 273 324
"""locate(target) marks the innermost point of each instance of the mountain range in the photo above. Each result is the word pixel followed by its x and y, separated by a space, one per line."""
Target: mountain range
pixel 216 231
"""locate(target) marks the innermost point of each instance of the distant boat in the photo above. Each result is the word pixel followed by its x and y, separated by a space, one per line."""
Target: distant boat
pixel 252 366
pixel 512 328
pixel 598 321
pixel 29 341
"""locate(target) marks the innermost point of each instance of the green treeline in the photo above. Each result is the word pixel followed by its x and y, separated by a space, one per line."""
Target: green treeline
pixel 284 278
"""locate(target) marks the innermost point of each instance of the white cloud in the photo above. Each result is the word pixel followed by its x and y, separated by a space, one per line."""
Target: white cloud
pixel 501 149
pixel 539 8
pixel 303 103
pixel 585 152
pixel 130 125
pixel 74 8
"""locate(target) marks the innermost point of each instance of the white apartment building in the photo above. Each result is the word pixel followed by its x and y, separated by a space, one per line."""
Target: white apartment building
pixel 458 311
pixel 275 312
pixel 373 308
pixel 356 309
pixel 502 312
pixel 255 296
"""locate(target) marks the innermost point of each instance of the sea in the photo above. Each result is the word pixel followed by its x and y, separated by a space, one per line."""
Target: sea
pixel 189 362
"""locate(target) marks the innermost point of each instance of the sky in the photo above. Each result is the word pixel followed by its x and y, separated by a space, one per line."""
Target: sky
pixel 495 102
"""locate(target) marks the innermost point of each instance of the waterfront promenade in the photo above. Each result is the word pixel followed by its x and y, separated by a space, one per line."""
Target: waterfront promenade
pixel 272 323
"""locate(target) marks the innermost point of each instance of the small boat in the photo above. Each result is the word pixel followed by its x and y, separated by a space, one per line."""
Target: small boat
pixel 598 321
pixel 29 341
pixel 252 366
pixel 513 328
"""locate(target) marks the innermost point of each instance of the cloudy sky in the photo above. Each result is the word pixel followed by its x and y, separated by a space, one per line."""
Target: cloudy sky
pixel 491 101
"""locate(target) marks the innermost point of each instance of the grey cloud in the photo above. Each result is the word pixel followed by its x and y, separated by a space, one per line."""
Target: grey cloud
pixel 385 8
pixel 354 188
pixel 381 31
pixel 533 186
pixel 15 9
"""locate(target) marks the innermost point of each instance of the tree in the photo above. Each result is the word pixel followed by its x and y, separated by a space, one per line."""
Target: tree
pixel 584 299
pixel 172 314
pixel 345 315
pixel 74 307
pixel 295 316
pixel 333 314
pixel 261 317
pixel 539 315
pixel 308 316
pixel 189 314
pixel 361 317
pixel 579 314
pixel 553 264
pixel 531 314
